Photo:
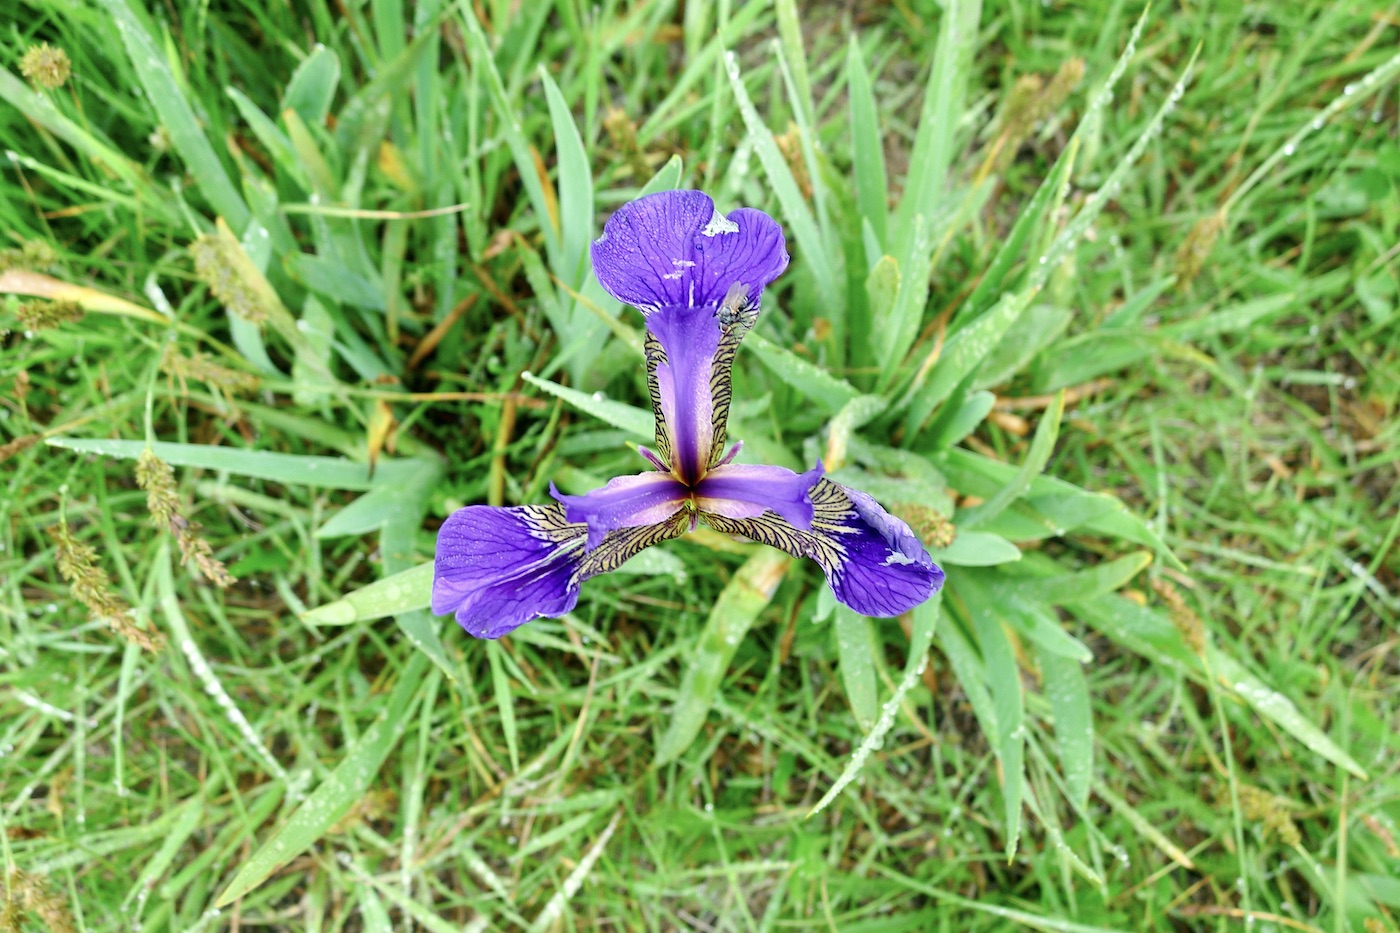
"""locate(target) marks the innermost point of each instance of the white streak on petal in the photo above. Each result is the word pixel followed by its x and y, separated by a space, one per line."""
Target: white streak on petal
pixel 719 224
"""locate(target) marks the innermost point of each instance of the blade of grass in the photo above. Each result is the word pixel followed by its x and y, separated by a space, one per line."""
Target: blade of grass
pixel 920 639
pixel 745 596
pixel 168 99
pixel 335 796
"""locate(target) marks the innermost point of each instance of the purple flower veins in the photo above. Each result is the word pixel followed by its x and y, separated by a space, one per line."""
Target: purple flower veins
pixel 697 277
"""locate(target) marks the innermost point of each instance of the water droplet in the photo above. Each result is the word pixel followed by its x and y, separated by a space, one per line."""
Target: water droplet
pixel 1289 149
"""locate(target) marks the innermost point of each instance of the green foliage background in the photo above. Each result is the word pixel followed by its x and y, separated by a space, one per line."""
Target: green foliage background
pixel 1114 296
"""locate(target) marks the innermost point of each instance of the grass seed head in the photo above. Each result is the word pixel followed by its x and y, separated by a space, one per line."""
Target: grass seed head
pixel 932 526
pixel 1187 622
pixel 30 894
pixel 202 369
pixel 157 479
pixel 48 67
pixel 47 315
pixel 77 562
pixel 1193 252
pixel 622 131
pixel 221 271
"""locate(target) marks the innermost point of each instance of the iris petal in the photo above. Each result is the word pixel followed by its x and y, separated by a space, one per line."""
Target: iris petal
pixel 625 502
pixel 674 248
pixel 681 346
pixel 872 560
pixel 741 490
pixel 498 568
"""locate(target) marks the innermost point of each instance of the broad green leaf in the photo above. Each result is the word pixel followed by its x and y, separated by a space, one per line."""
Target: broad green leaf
pixel 1040 626
pixel 42 111
pixel 977 549
pixel 618 414
pixel 745 596
pixel 1042 446
pixel 855 645
pixel 957 419
pixel 854 415
pixel 935 142
pixel 1098 580
pixel 655 562
pixel 961 355
pixel 398 539
pixel 313 358
pixel 800 221
pixel 505 702
pixel 1040 326
pixel 892 334
pixel 815 383
pixel 667 178
pixel 971 673
pixel 867 147
pixel 575 187
pixel 329 277
pixel 402 592
pixel 313 85
pixel 346 785
pixel 168 98
pixel 291 469
pixel 509 125
pixel 882 286
pixel 979 475
pixel 1271 704
pixel 1051 192
pixel 1004 685
pixel 1067 689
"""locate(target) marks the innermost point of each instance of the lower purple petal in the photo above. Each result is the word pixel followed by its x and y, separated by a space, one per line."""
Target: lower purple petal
pixel 741 490
pixel 886 569
pixel 498 568
pixel 872 560
pixel 625 502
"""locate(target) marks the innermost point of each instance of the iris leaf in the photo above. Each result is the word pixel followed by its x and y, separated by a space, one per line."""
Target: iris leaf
pixel 164 92
pixel 1067 689
pixel 401 592
pixel 855 645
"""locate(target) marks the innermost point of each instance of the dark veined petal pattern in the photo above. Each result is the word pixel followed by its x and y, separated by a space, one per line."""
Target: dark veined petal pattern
pixel 872 560
pixel 498 568
pixel 625 502
pixel 690 362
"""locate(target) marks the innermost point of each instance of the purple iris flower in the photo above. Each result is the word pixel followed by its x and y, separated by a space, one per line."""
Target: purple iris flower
pixel 696 276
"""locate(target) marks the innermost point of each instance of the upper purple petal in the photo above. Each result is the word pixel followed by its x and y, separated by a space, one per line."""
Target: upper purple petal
pixel 625 502
pixel 741 490
pixel 689 338
pixel 498 568
pixel 674 248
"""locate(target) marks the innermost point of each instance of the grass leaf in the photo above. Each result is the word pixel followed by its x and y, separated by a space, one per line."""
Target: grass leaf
pixel 738 605
pixel 335 796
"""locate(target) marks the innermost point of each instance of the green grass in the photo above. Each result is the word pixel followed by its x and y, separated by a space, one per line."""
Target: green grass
pixel 1176 716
